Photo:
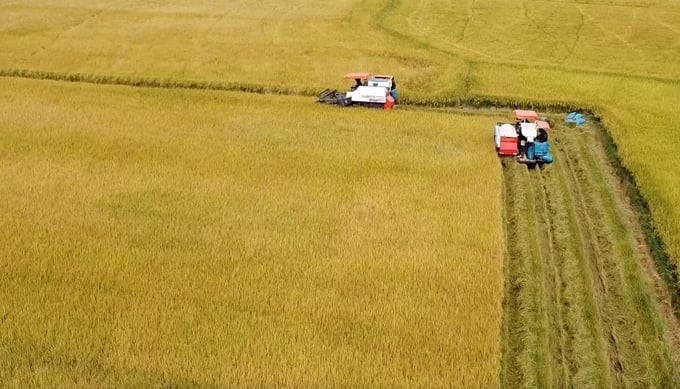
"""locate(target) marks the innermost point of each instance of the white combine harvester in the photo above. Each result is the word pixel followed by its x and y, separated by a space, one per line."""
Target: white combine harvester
pixel 375 91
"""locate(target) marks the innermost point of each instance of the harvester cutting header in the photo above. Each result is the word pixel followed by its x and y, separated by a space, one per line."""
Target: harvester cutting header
pixel 527 139
pixel 369 90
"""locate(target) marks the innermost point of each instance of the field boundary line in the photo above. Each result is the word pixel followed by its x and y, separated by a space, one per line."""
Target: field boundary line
pixel 159 83
pixel 465 100
pixel 472 101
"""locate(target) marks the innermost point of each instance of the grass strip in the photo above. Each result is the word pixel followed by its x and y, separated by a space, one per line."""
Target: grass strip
pixel 667 269
pixel 551 280
pixel 578 311
pixel 622 338
pixel 646 321
pixel 526 356
pixel 585 352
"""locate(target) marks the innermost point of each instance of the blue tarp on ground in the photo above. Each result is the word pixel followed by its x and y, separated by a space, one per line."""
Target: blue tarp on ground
pixel 575 118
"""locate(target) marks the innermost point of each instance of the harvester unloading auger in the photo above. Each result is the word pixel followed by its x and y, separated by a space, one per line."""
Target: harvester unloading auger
pixel 375 91
pixel 527 139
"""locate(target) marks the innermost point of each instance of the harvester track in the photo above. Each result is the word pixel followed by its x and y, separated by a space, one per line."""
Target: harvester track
pixel 581 307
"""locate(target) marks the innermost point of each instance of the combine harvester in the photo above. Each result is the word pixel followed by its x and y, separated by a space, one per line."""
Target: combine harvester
pixel 527 139
pixel 374 91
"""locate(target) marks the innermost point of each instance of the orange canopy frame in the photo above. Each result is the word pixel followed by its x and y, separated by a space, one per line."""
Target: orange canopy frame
pixel 358 75
pixel 531 116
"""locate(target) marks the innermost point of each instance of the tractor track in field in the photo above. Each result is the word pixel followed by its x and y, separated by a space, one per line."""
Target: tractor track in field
pixel 583 307
pixel 552 279
pixel 61 34
pixel 468 19
pixel 540 27
pixel 577 37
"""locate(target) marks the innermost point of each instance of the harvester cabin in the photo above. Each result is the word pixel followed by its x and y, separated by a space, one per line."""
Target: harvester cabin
pixel 360 78
pixel 381 80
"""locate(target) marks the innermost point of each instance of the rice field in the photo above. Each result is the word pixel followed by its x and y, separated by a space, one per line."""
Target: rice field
pixel 162 228
pixel 180 238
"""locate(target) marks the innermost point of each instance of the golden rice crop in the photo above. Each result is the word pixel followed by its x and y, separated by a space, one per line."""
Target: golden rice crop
pixel 155 237
pixel 252 170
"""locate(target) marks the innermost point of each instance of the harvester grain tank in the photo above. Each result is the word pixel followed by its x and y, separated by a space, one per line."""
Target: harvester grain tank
pixel 368 90
pixel 505 137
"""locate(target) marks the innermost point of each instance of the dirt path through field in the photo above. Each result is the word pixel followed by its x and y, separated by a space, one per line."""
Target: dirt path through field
pixel 584 306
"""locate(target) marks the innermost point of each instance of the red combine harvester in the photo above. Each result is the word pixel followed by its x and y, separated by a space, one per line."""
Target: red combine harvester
pixel 527 139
